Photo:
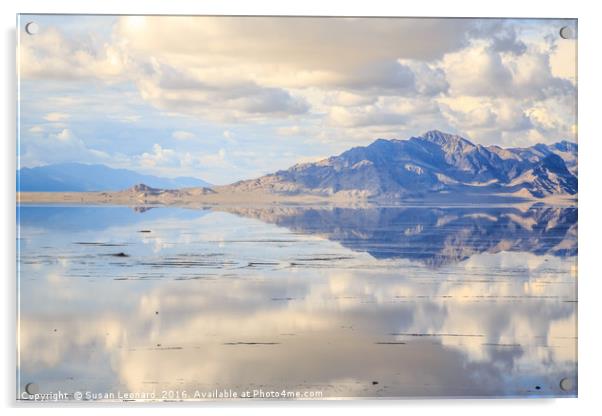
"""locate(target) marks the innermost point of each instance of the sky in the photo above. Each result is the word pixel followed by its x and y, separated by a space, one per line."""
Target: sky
pixel 231 98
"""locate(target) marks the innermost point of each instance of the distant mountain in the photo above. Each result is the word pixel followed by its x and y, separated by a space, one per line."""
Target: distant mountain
pixel 434 163
pixel 79 177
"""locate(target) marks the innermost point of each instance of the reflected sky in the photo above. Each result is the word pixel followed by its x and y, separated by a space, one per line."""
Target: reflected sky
pixel 387 302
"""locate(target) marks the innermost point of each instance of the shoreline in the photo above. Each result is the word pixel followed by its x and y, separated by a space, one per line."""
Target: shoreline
pixel 180 198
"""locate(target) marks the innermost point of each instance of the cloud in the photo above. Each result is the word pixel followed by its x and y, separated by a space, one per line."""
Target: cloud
pixel 56 117
pixel 293 45
pixel 244 68
pixel 159 157
pixel 384 77
pixel 53 55
pixel 479 70
pixel 183 135
pixel 328 82
pixel 563 59
pixel 533 77
pixel 64 135
pixel 368 116
pixel 59 147
pixel 429 79
pixel 506 40
pixel 173 162
pixel 555 116
pixel 488 113
pixel 178 90
pixel 36 129
pixel 347 98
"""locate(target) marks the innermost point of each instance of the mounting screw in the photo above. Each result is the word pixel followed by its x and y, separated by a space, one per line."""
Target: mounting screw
pixel 32 28
pixel 566 32
pixel 566 384
pixel 32 388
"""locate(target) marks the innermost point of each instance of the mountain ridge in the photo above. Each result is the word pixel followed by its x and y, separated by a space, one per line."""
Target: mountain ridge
pixel 81 177
pixel 434 163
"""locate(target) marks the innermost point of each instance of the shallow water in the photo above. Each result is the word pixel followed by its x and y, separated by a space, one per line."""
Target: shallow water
pixel 387 302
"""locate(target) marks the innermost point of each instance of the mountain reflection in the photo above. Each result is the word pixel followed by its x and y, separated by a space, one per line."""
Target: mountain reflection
pixel 433 236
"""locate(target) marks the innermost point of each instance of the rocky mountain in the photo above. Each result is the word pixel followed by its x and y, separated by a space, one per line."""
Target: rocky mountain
pixel 434 163
pixel 79 177
pixel 549 176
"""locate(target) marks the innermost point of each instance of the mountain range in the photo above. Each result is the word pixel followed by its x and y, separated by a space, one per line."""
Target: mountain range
pixel 434 163
pixel 79 177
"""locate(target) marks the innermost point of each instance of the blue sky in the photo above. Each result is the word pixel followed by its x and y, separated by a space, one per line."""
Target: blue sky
pixel 225 99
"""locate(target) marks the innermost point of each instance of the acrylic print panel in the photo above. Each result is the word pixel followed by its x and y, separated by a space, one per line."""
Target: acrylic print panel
pixel 296 208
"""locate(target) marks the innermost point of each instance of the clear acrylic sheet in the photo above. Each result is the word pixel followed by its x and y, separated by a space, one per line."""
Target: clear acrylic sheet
pixel 296 208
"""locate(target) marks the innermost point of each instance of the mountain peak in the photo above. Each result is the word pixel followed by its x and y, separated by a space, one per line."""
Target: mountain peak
pixel 565 146
pixel 437 137
pixel 441 138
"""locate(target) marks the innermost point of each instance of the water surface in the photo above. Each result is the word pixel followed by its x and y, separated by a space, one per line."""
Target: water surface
pixel 375 302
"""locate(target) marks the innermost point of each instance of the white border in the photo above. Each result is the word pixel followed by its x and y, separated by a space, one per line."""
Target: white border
pixel 590 168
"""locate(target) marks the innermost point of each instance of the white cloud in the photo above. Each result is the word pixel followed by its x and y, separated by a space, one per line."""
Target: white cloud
pixel 36 129
pixel 56 117
pixel 183 135
pixel 179 90
pixel 160 157
pixel 64 135
pixel 479 70
pixel 58 147
pixel 53 55
pixel 486 113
